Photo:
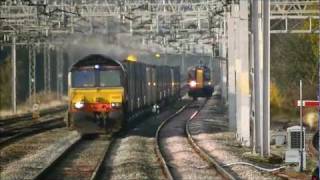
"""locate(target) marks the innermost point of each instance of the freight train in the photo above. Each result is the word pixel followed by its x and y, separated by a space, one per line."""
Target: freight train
pixel 199 81
pixel 112 91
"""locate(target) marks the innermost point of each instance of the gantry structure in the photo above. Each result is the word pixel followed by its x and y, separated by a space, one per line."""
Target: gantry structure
pixel 177 26
pixel 173 23
pixel 294 16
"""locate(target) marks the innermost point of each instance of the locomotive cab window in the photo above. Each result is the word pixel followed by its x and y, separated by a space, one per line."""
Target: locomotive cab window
pixel 207 75
pixel 191 74
pixel 110 78
pixel 83 78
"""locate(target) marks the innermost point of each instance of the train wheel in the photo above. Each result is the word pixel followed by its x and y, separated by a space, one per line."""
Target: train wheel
pixel 195 98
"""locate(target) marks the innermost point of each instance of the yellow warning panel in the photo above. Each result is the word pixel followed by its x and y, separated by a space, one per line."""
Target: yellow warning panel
pixel 199 78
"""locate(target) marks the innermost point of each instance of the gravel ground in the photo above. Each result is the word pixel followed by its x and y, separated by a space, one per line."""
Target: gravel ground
pixel 182 160
pixel 25 158
pixel 133 156
pixel 209 130
pixel 81 161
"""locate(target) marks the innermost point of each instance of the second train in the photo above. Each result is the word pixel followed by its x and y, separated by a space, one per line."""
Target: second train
pixel 200 82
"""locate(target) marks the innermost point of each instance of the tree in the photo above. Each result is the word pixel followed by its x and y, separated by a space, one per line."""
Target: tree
pixel 293 58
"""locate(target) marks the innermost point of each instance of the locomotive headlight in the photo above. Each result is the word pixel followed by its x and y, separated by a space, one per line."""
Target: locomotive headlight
pixel 115 105
pixel 209 83
pixel 79 105
pixel 192 83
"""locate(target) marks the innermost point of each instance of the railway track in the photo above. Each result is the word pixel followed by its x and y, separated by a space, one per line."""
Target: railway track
pixel 82 160
pixel 87 158
pixel 185 159
pixel 13 128
pixel 11 120
pixel 13 134
pixel 226 174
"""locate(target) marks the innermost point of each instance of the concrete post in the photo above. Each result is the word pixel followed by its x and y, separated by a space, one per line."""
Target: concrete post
pixel 231 70
pixel 45 67
pixel 258 73
pixel 14 75
pixel 49 69
pixel 266 77
pixel 242 75
pixel 223 61
pixel 261 44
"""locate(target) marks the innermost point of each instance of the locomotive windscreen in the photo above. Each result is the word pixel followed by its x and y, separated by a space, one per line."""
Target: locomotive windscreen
pixel 207 75
pixel 110 78
pixel 94 78
pixel 83 78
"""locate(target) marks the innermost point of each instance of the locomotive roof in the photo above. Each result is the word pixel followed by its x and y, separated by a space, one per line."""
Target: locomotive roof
pixel 193 68
pixel 95 59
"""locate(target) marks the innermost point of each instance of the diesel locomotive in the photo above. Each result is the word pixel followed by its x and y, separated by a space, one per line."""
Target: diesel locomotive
pixel 199 81
pixel 108 92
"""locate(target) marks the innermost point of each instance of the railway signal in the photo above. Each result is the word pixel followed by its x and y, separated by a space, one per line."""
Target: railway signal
pixel 308 103
pixel 311 103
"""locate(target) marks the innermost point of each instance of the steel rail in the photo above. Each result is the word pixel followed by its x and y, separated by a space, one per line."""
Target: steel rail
pixel 46 170
pixel 97 169
pixel 7 131
pixel 32 129
pixel 159 154
pixel 202 153
pixel 28 116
